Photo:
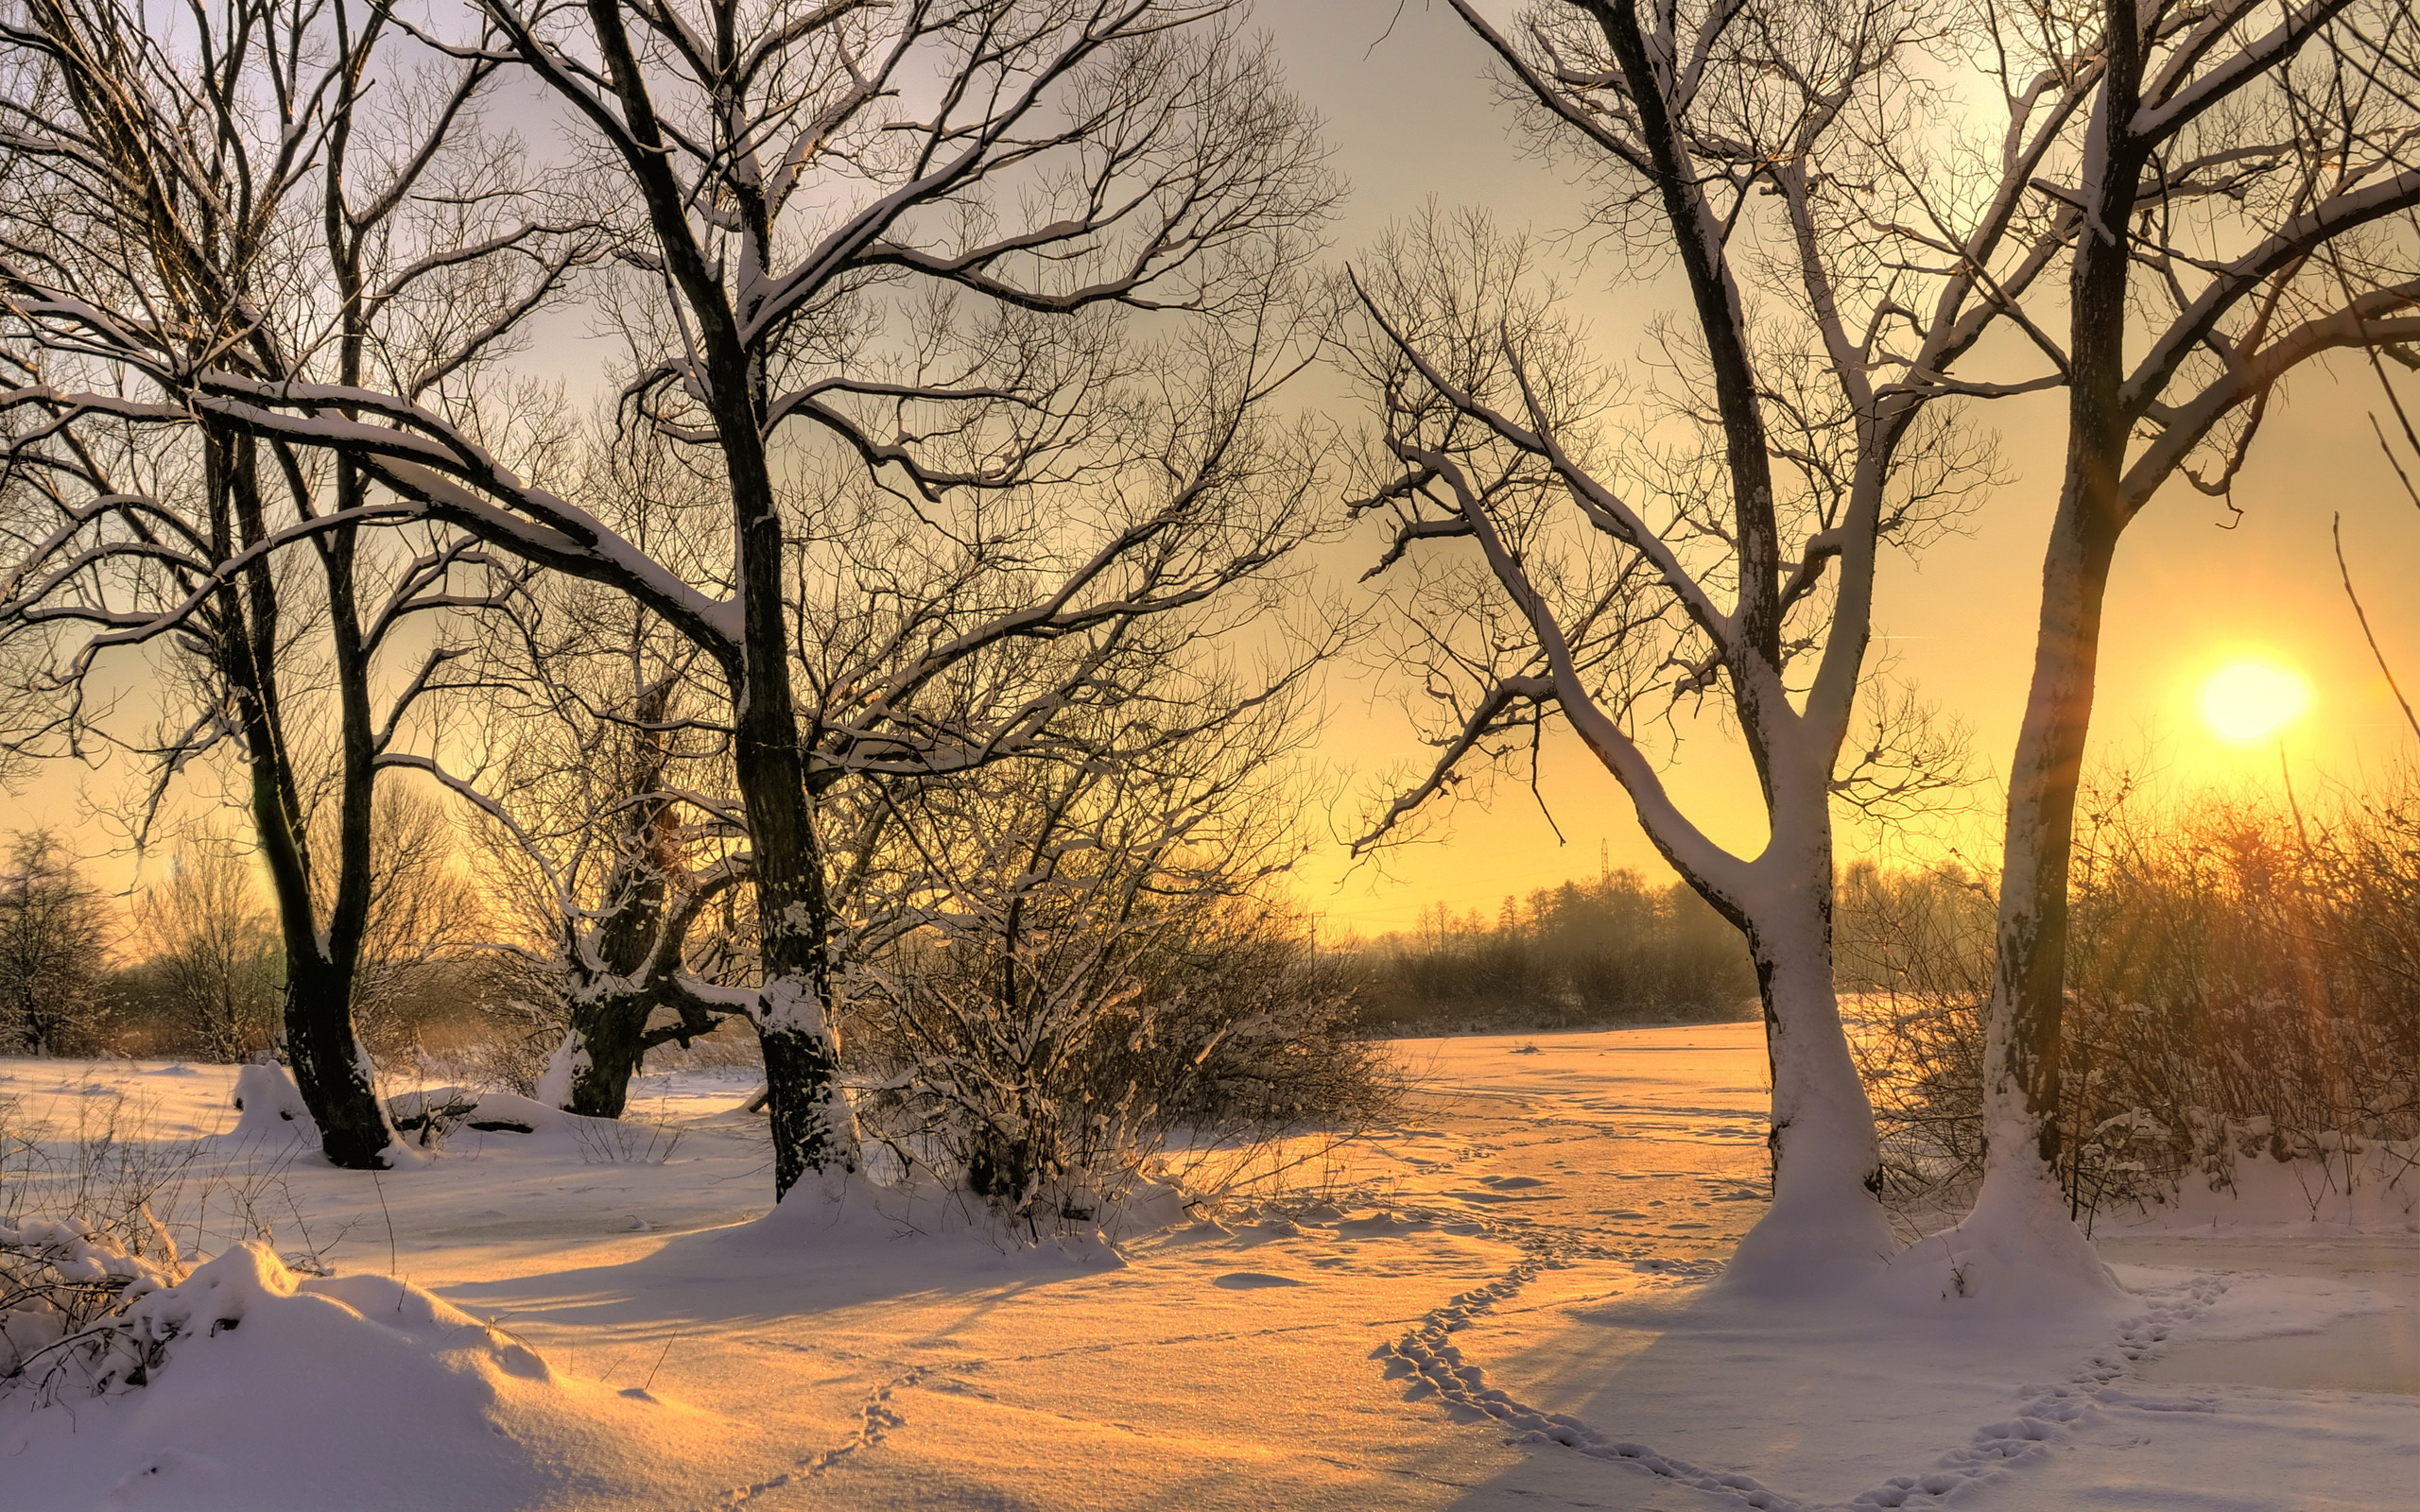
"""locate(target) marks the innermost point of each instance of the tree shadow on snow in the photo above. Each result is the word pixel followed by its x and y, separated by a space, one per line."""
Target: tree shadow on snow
pixel 794 1261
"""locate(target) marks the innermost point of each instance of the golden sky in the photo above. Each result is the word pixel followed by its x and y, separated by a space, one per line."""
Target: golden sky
pixel 1411 114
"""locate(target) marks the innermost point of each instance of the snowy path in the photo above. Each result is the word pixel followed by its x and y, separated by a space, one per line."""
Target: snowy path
pixel 1493 1306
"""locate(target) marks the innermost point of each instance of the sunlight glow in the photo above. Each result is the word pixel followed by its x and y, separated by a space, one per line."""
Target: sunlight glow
pixel 2250 700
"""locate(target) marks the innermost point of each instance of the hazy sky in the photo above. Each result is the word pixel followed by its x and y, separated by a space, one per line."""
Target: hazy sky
pixel 1411 114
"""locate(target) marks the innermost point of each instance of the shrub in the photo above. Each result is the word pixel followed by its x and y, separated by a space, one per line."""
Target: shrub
pixel 1046 1074
pixel 2242 980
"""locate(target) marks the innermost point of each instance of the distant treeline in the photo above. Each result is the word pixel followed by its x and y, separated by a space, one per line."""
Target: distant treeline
pixel 1614 951
pixel 191 966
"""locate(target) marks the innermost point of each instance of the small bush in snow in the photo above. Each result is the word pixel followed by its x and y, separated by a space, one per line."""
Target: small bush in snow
pixel 1046 1078
pixel 71 1269
pixel 68 1295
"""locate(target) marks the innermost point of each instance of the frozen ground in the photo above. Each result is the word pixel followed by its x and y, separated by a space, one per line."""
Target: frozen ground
pixel 1497 1305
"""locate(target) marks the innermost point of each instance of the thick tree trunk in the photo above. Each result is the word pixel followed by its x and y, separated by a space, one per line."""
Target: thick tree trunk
pixel 2019 1244
pixel 607 1042
pixel 2021 1051
pixel 2019 1209
pixel 812 1129
pixel 1825 1227
pixel 329 1068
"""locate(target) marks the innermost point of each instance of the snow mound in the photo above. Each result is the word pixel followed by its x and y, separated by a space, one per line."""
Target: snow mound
pixel 2018 1251
pixel 842 1238
pixel 260 1389
pixel 270 1108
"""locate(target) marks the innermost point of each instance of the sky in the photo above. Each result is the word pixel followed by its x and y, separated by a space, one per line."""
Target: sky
pixel 1411 114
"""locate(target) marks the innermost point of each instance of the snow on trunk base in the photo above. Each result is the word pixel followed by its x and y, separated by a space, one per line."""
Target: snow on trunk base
pixel 1810 1245
pixel 2017 1251
pixel 268 1107
pixel 275 1391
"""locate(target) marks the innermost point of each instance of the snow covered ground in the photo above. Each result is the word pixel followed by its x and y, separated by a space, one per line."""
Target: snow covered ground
pixel 1497 1304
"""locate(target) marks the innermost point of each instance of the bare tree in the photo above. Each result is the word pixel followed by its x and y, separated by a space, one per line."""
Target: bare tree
pixel 893 243
pixel 235 192
pixel 211 951
pixel 2246 176
pixel 1718 537
pixel 54 950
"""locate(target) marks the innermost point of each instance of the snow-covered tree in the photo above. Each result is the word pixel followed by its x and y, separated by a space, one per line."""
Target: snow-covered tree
pixel 2245 179
pixel 1595 557
pixel 54 950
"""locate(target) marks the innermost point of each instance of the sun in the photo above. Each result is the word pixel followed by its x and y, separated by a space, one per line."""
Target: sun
pixel 2249 700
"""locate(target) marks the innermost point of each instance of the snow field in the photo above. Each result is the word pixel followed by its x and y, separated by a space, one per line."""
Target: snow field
pixel 1501 1303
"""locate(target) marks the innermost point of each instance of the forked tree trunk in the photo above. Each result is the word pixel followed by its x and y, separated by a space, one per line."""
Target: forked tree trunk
pixel 606 1041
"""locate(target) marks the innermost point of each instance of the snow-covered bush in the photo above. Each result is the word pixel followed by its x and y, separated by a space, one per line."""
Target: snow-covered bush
pixel 70 1295
pixel 1046 1077
pixel 72 1266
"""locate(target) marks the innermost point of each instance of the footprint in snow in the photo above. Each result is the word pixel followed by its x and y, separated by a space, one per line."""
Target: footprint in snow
pixel 1252 1280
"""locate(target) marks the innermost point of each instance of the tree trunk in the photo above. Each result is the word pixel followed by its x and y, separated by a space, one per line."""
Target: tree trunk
pixel 329 1068
pixel 608 1043
pixel 812 1129
pixel 2021 1070
pixel 1825 1226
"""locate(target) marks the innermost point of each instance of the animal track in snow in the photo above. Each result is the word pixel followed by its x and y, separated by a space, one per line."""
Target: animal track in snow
pixel 1435 1366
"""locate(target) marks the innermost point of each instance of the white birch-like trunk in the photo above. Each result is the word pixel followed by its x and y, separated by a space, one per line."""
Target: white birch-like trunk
pixel 1826 1229
pixel 2020 1246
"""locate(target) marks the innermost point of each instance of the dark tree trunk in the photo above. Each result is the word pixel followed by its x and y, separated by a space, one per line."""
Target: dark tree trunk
pixel 610 1031
pixel 328 1066
pixel 329 1069
pixel 2021 1055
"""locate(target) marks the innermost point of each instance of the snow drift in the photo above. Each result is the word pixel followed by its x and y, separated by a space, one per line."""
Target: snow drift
pixel 249 1386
